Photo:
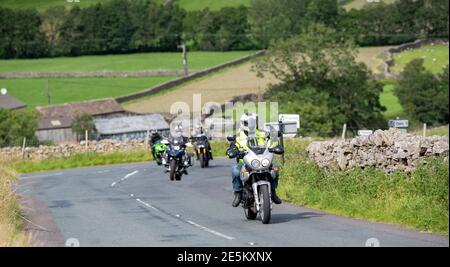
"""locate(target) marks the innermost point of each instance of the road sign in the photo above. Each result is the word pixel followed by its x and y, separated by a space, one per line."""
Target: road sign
pixel 365 133
pixel 398 123
pixel 290 118
pixel 290 123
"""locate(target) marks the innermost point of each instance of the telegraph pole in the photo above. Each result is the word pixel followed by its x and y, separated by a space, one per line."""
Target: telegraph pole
pixel 185 63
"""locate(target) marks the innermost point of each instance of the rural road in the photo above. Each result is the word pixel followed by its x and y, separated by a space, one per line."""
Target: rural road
pixel 136 205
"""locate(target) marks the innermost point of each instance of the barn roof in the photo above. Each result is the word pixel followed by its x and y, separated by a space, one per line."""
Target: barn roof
pixel 95 108
pixel 10 102
pixel 131 124
pixel 59 122
pixel 62 116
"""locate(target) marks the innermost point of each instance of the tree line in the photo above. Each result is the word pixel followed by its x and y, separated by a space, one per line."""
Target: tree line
pixel 125 26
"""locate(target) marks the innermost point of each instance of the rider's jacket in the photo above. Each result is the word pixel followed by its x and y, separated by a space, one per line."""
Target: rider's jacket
pixel 259 139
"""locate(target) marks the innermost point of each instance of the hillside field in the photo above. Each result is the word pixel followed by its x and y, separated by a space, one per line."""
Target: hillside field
pixel 128 62
pixel 358 4
pixel 435 58
pixel 33 92
pixel 187 4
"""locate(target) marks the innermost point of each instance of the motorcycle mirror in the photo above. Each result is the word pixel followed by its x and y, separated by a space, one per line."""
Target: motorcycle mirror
pixel 277 150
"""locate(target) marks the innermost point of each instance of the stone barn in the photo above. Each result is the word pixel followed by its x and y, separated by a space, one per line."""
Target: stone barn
pixel 55 122
pixel 130 127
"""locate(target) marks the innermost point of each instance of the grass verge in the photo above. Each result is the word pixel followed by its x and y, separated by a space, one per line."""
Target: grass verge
pixel 82 160
pixel 10 220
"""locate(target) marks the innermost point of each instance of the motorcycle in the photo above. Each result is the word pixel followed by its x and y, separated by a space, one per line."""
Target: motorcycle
pixel 158 150
pixel 202 150
pixel 256 174
pixel 176 159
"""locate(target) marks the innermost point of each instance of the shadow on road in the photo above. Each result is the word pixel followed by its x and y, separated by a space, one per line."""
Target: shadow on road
pixel 283 218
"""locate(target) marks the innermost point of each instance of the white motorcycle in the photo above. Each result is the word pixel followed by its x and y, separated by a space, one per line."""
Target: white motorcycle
pixel 256 174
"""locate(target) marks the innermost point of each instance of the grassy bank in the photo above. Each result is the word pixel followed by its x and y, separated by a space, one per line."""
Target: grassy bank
pixel 10 220
pixel 97 159
pixel 419 200
pixel 82 160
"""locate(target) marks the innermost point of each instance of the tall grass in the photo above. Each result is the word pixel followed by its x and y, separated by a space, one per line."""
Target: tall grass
pixel 10 220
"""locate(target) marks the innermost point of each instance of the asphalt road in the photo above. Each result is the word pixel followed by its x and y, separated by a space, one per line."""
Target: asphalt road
pixel 137 205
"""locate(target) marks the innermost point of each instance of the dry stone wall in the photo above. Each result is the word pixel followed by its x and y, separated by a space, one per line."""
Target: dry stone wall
pixel 65 150
pixel 390 150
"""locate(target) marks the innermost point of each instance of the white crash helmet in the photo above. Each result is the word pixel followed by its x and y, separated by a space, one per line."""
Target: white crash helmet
pixel 244 121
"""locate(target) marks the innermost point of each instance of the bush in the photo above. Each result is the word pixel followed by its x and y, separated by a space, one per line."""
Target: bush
pixel 423 96
pixel 321 81
pixel 16 125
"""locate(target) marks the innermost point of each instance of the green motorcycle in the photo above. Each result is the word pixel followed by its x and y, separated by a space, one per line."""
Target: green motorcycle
pixel 158 150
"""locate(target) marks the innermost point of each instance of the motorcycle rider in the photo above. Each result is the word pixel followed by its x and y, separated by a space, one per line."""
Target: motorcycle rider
pixel 178 133
pixel 154 139
pixel 202 133
pixel 241 146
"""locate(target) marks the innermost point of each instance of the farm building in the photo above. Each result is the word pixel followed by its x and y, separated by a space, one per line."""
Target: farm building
pixel 130 127
pixel 55 122
pixel 10 102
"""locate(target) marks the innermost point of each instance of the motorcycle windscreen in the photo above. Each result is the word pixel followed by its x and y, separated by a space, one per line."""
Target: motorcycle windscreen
pixel 252 132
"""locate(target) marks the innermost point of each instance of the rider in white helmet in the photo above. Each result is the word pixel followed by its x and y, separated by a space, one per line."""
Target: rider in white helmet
pixel 241 146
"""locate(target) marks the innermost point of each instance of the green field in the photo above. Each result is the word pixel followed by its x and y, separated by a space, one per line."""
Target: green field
pixel 129 62
pixel 358 4
pixel 44 4
pixel 435 57
pixel 34 93
pixel 389 100
pixel 211 4
pixel 187 4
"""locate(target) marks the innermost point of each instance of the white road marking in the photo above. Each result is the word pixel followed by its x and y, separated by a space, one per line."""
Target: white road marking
pixel 124 178
pixel 204 228
pixel 145 204
pixel 129 175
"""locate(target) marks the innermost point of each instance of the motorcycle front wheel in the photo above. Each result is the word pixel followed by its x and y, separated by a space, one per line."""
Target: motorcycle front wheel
pixel 202 160
pixel 250 214
pixel 173 169
pixel 264 198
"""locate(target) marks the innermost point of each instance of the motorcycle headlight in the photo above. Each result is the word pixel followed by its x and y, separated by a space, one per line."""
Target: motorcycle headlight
pixel 265 163
pixel 256 163
pixel 176 147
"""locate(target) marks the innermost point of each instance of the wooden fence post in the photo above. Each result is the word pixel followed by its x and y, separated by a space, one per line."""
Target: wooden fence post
pixel 86 139
pixel 23 147
pixel 344 131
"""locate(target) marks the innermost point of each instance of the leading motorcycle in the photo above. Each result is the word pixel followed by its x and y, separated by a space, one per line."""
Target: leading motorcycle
pixel 256 174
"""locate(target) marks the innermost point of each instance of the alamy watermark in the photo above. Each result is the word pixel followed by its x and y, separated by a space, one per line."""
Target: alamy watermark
pixel 218 119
